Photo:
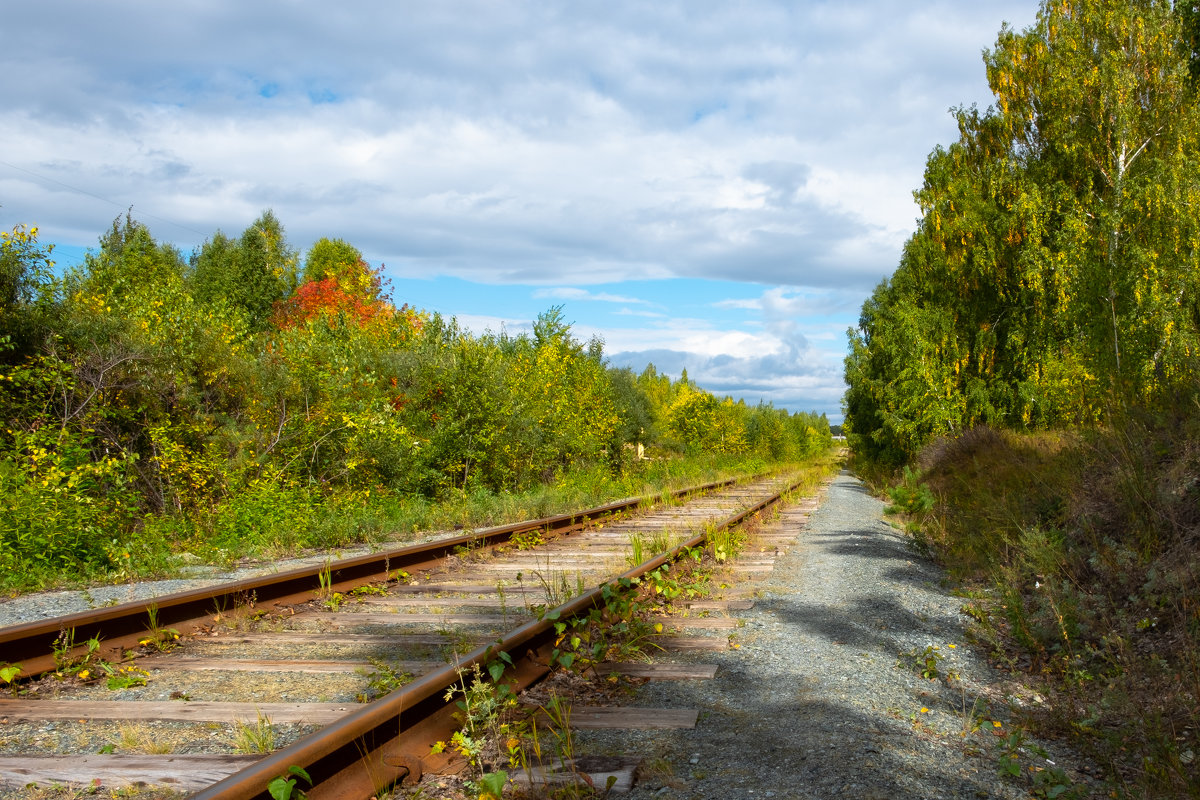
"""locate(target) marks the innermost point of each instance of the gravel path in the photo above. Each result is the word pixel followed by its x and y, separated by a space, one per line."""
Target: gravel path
pixel 813 704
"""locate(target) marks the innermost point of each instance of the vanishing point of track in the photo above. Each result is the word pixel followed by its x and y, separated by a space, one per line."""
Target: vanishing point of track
pixel 458 597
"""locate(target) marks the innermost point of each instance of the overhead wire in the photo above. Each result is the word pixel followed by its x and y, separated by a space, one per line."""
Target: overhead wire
pixel 102 199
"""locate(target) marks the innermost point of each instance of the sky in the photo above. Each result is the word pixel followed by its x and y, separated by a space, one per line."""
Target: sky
pixel 709 186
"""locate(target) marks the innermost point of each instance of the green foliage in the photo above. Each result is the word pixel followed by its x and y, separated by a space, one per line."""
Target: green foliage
pixel 383 678
pixel 926 662
pixel 9 673
pixel 124 677
pixel 332 258
pixel 251 274
pixel 910 496
pixel 157 637
pixel 27 291
pixel 286 787
pixel 1053 277
pixel 491 785
pixel 69 664
pixel 64 506
pixel 726 543
pixel 483 707
pixel 148 406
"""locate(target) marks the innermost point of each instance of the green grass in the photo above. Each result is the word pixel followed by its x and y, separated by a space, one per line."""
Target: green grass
pixel 267 522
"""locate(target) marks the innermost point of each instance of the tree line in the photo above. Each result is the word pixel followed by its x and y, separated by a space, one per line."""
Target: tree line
pixel 148 391
pixel 1054 276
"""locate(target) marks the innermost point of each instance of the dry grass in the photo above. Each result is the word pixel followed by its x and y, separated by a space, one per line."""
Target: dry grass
pixel 1084 550
pixel 136 737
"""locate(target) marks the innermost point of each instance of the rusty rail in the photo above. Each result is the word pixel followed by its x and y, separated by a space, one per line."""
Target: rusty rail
pixel 390 739
pixel 120 627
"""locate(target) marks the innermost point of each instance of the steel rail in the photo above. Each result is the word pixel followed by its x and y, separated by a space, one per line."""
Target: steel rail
pixel 390 739
pixel 121 627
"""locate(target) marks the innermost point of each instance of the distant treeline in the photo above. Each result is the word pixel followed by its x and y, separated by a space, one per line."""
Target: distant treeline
pixel 146 385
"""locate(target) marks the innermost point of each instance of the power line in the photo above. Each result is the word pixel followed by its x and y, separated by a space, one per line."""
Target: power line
pixel 102 199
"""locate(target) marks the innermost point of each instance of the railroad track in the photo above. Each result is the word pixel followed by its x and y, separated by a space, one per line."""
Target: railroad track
pixel 285 663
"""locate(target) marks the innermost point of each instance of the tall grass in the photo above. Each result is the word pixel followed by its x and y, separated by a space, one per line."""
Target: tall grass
pixel 1083 552
pixel 272 521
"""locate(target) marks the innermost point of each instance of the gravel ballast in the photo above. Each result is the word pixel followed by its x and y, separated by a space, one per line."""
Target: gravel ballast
pixel 821 700
pixel 823 696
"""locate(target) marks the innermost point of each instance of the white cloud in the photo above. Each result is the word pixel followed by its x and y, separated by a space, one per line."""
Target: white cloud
pixel 572 293
pixel 552 144
pixel 768 141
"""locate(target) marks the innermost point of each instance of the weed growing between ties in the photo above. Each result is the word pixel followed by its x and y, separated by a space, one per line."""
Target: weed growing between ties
pixel 510 750
pixel 138 738
pixel 253 737
pixel 9 673
pixel 159 638
pixel 68 663
pixel 383 678
pixel 287 786
pixel 1078 554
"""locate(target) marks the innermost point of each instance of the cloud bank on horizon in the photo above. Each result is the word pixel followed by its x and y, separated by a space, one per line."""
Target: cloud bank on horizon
pixel 756 159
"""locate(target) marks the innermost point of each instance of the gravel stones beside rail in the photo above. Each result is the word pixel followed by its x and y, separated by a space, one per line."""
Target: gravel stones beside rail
pixel 814 704
pixel 47 605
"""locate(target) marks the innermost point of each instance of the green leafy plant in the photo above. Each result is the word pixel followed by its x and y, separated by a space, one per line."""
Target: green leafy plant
pixel 157 637
pixel 1046 780
pixel 286 787
pixel 926 662
pixel 383 679
pixel 363 591
pixel 491 785
pixel 725 543
pixel 484 709
pixel 9 674
pixel 667 587
pixel 67 663
pixel 125 677
pixel 329 598
pixel 528 540
pixel 616 630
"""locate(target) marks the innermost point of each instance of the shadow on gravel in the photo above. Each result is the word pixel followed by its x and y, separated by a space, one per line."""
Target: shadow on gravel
pixel 847 482
pixel 753 736
pixel 852 543
pixel 918 571
pixel 919 575
pixel 864 623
